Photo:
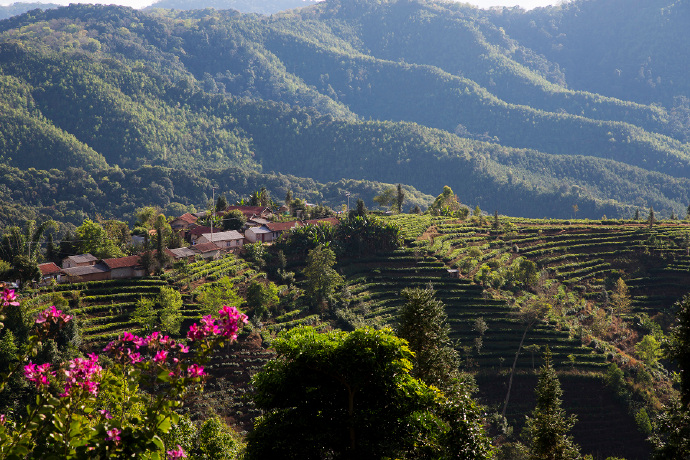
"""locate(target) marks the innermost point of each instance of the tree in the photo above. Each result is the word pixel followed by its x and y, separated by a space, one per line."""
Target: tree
pixel 322 279
pixel 25 269
pixel 261 296
pixel 648 349
pixel 387 198
pixel 446 203
pixel 212 296
pixel 164 310
pixel 26 243
pixel 399 198
pixel 637 214
pixel 530 313
pixel 576 208
pixel 650 219
pixel 620 299
pixel 221 203
pixel 423 322
pixel 234 220
pixel 548 427
pixel 351 395
pixel 93 239
pixel 361 209
pixel 118 232
pixel 677 347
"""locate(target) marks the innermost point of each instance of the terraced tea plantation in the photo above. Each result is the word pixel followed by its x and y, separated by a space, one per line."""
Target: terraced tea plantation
pixel 484 272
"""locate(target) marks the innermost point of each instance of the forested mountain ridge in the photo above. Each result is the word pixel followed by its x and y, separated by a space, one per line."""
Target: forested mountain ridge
pixel 448 94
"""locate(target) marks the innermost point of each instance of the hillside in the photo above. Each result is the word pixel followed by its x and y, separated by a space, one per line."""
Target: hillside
pixel 578 264
pixel 414 92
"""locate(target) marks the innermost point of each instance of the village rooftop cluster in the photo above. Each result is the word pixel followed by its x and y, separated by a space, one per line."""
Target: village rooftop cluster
pixel 204 242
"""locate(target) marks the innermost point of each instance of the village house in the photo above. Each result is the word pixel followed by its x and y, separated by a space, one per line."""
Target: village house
pixel 278 228
pixel 261 234
pixel 196 232
pixel 184 222
pixel 228 240
pixel 181 253
pixel 125 267
pixel 207 250
pixel 80 260
pixel 49 271
pixel 95 272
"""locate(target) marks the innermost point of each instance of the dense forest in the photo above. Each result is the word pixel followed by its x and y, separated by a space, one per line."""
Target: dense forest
pixel 415 92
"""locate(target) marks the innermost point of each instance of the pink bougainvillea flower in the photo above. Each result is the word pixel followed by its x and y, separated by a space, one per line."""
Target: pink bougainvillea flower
pixel 134 357
pixel 195 371
pixel 231 318
pixel 81 373
pixel 106 413
pixel 160 356
pixel 113 435
pixel 176 453
pixel 8 297
pixel 54 315
pixel 183 348
pixel 37 373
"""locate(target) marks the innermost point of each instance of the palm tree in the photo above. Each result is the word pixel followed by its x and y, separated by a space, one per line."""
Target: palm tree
pixel 25 243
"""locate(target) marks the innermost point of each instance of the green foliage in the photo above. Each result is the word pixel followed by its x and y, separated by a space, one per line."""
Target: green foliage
pixel 262 296
pixel 164 311
pixel 233 220
pixel 321 279
pixel 423 322
pixel 93 239
pixel 351 395
pixel 547 429
pixel 212 296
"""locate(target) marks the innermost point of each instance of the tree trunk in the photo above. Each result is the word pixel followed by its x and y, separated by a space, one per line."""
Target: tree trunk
pixel 512 371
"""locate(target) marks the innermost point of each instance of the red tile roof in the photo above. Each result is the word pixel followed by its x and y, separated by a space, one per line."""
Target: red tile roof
pixel 122 262
pixel 282 226
pixel 188 218
pixel 205 247
pixel 200 230
pixel 327 220
pixel 48 269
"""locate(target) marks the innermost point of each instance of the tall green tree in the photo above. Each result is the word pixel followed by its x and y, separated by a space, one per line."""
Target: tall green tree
pixel 321 278
pixel 399 198
pixel 93 239
pixel 548 428
pixel 423 322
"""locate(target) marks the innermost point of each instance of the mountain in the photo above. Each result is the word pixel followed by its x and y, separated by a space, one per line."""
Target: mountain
pixel 245 6
pixel 19 8
pixel 398 91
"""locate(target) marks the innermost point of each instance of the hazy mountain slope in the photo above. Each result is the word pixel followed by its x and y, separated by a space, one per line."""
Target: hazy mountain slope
pixel 629 49
pixel 212 89
pixel 245 6
pixel 20 8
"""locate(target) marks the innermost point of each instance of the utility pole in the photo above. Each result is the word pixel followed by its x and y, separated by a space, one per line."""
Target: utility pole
pixel 213 212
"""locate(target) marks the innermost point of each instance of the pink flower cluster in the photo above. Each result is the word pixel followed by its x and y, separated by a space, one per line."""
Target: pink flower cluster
pixel 226 325
pixel 8 297
pixel 113 435
pixel 82 373
pixel 176 453
pixel 53 315
pixel 38 373
pixel 161 346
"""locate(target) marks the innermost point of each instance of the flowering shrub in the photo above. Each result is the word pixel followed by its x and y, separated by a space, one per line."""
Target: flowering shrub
pixel 68 420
